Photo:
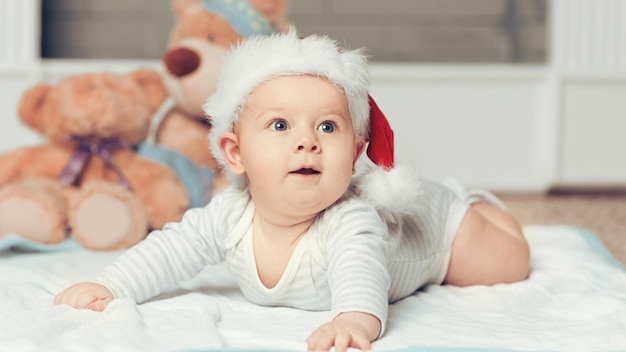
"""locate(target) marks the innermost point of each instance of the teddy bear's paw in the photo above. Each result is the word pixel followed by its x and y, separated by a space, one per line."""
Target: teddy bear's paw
pixel 105 216
pixel 32 215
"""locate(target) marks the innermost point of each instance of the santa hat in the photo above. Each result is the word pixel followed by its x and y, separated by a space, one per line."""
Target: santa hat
pixel 260 58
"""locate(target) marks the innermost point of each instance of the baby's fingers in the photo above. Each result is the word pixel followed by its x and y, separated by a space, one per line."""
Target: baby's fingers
pixel 75 298
pixel 342 342
pixel 321 339
pixel 98 305
pixel 63 297
pixel 327 336
pixel 361 342
pixel 85 296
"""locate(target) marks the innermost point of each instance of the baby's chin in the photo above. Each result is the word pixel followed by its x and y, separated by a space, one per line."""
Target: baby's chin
pixel 314 203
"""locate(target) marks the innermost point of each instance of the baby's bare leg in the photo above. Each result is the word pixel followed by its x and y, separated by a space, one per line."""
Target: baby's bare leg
pixel 489 248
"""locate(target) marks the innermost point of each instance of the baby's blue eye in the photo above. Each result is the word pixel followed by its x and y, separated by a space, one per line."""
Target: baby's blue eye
pixel 279 125
pixel 327 127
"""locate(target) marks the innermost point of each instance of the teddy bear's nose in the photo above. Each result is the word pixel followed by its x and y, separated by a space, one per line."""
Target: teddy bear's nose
pixel 181 61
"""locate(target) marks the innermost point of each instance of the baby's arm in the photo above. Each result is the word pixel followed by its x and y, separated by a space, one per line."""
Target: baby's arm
pixel 85 295
pixel 358 277
pixel 159 262
pixel 350 329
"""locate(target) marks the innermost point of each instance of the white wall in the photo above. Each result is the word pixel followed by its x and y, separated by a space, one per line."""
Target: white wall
pixel 594 131
pixel 502 127
pixel 589 57
pixel 19 65
pixel 483 125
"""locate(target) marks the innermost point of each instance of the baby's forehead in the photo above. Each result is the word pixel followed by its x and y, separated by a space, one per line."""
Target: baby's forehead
pixel 294 78
pixel 298 92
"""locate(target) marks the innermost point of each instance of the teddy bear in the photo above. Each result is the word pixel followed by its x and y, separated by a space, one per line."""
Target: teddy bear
pixel 85 178
pixel 202 33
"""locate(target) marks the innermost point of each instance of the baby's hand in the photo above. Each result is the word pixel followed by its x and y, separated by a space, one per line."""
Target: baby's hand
pixel 85 295
pixel 352 329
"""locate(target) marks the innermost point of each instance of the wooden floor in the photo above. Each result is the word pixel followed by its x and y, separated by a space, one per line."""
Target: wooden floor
pixel 604 214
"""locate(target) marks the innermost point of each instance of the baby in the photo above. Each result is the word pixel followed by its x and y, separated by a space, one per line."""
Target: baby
pixel 291 116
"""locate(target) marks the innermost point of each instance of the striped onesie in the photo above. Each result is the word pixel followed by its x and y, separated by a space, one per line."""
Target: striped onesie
pixel 349 260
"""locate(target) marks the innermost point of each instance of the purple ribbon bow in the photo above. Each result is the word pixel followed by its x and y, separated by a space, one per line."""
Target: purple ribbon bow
pixel 85 148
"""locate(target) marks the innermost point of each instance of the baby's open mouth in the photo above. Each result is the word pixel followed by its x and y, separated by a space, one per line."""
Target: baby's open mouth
pixel 305 171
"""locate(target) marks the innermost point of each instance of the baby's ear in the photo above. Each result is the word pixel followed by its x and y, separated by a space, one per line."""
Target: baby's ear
pixel 359 147
pixel 229 145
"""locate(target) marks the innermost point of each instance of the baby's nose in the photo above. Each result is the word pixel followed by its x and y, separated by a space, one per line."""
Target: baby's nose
pixel 309 148
pixel 308 144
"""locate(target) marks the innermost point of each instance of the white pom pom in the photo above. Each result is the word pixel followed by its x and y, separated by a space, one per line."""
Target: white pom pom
pixel 395 191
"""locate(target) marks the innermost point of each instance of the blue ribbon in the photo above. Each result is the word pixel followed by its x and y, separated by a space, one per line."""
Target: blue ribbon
pixel 244 18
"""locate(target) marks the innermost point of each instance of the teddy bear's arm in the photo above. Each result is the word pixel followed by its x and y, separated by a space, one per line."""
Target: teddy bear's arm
pixel 188 136
pixel 158 188
pixel 191 138
pixel 39 161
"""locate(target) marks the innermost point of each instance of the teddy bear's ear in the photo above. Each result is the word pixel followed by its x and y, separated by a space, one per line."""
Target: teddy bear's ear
pixel 181 7
pixel 152 84
pixel 32 103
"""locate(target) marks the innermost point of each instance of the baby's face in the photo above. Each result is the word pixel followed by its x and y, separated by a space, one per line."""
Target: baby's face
pixel 297 144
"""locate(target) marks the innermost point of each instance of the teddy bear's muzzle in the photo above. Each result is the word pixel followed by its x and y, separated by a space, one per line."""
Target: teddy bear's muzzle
pixel 181 61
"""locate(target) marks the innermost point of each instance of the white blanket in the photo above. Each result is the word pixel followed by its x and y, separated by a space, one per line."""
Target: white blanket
pixel 574 300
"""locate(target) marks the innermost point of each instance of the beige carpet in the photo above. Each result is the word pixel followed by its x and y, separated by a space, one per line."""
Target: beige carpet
pixel 603 214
